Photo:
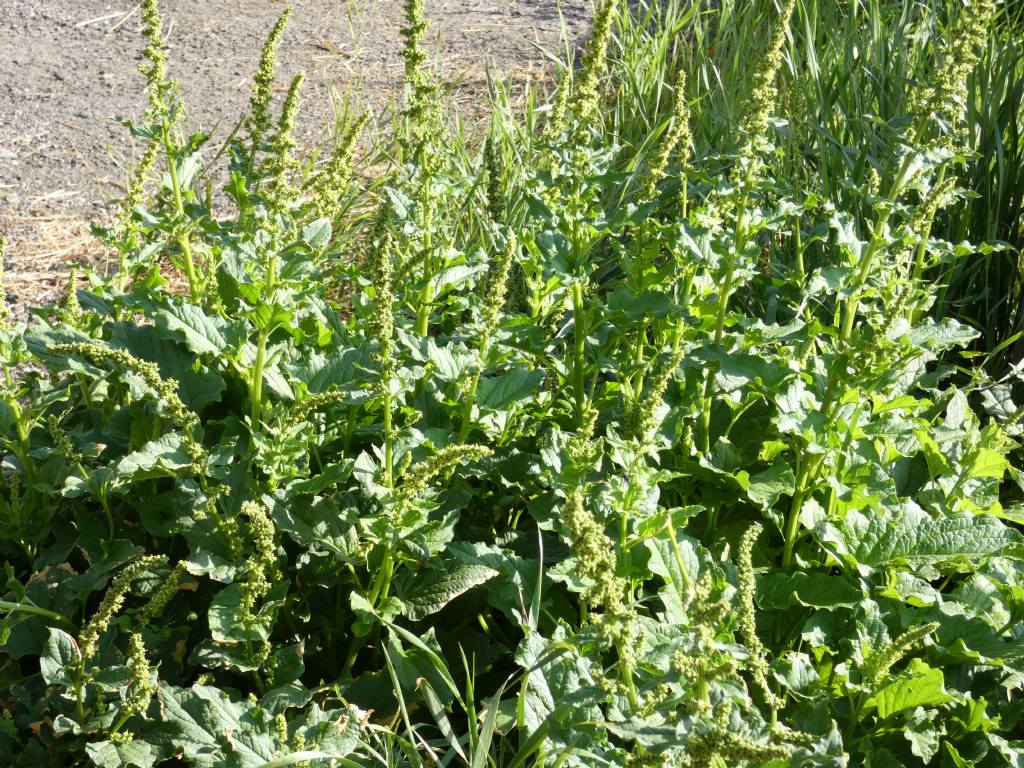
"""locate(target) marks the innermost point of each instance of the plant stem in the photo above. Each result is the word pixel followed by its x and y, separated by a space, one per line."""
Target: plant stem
pixel 183 242
pixel 256 389
pixel 35 610
pixel 580 334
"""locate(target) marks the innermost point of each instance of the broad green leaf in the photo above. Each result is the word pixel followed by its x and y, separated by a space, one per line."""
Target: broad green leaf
pixel 918 686
pixel 766 487
pixel 908 536
pixel 429 592
pixel 202 333
pixel 134 753
pixel 317 233
pixel 780 590
pixel 213 731
pixel 58 663
pixel 158 458
pixel 498 392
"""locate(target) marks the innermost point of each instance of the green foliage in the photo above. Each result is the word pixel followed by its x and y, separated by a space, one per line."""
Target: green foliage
pixel 620 439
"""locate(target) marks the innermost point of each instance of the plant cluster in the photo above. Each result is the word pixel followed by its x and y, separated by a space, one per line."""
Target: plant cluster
pixel 616 438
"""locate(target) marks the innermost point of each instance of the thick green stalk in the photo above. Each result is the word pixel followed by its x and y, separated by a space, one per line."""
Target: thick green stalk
pixel 183 241
pixel 580 334
pixel 256 387
pixel 389 438
pixel 9 607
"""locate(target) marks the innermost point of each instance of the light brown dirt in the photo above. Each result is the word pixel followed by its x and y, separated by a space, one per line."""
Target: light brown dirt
pixel 67 67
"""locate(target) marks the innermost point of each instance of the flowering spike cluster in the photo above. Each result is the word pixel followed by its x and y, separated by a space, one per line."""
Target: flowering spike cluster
pixel 921 222
pixel 332 182
pixel 258 122
pixel 70 310
pixel 945 99
pixel 594 66
pixel 747 627
pixel 703 664
pixel 642 413
pixel 764 94
pixel 263 564
pixel 301 412
pixel 417 480
pixel 140 684
pixel 62 441
pixel 136 189
pixel 88 638
pixel 495 185
pixel 384 319
pixel 422 103
pixel 495 291
pixel 281 731
pixel 560 109
pixel 281 164
pixel 677 136
pixel 166 388
pixel 896 650
pixel 4 311
pixel 161 90
pixel 596 560
pixel 164 595
pixel 721 747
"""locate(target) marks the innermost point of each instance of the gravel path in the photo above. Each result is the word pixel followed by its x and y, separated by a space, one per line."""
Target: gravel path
pixel 68 66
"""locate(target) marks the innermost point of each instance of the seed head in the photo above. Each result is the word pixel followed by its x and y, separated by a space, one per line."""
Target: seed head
pixel 896 650
pixel 166 389
pixel 333 181
pixel 747 625
pixel 763 96
pixel 70 310
pixel 594 67
pixel 495 185
pixel 140 684
pixel 676 137
pixel 164 595
pixel 259 120
pixel 88 639
pixel 417 479
pixel 62 441
pixel 154 69
pixel 422 95
pixel 4 311
pixel 281 165
pixel 642 413
pixel 945 99
pixel 496 291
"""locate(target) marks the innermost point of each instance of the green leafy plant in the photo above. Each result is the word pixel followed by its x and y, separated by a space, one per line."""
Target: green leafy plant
pixel 630 434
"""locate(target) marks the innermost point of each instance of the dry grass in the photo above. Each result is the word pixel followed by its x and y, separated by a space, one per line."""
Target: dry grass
pixel 41 249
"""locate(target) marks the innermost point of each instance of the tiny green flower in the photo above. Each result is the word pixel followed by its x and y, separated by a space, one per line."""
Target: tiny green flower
pixel 594 67
pixel 745 592
pixel 88 638
pixel 332 182
pixel 155 607
pixel 5 312
pixel 141 686
pixel 281 193
pixel 258 122
pixel 677 136
pixel 894 651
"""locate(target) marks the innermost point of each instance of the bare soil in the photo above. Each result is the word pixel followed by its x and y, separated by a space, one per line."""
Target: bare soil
pixel 67 67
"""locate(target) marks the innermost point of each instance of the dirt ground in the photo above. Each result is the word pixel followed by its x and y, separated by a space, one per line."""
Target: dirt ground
pixel 67 67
